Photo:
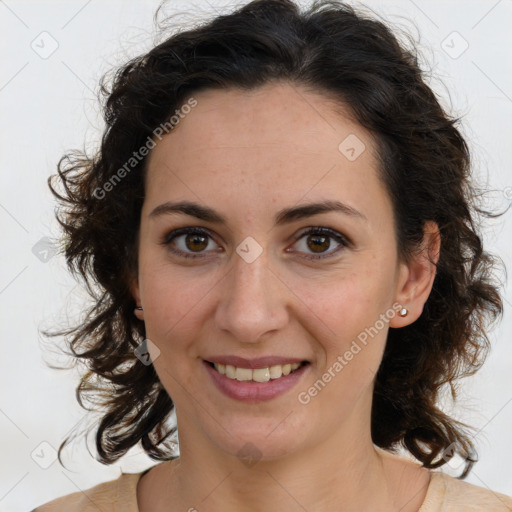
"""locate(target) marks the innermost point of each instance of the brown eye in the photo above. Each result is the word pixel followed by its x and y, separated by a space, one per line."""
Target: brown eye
pixel 317 242
pixel 193 242
pixel 196 242
pixel 187 241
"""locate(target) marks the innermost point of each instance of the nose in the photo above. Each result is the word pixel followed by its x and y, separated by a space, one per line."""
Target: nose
pixel 253 300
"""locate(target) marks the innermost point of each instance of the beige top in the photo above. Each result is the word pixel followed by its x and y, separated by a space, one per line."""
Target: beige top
pixel 444 494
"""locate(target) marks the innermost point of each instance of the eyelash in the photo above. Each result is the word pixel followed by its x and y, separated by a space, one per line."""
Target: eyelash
pixel 342 240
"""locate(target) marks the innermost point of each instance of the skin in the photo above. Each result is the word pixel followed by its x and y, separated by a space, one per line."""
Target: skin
pixel 249 154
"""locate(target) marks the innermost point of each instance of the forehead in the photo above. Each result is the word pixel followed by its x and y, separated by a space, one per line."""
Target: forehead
pixel 277 143
pixel 278 112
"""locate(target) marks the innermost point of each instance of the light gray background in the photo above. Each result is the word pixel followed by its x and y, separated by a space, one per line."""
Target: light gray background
pixel 48 105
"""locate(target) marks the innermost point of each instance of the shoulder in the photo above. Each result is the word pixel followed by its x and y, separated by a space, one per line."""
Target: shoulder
pixel 118 495
pixel 449 494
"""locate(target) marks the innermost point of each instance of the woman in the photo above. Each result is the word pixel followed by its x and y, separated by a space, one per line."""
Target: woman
pixel 281 225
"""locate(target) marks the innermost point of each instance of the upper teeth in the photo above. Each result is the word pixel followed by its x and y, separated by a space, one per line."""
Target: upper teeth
pixel 258 374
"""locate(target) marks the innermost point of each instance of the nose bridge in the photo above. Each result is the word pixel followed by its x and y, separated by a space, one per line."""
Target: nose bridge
pixel 251 301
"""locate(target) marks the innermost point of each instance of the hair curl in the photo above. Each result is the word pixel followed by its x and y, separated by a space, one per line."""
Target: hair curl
pixel 424 162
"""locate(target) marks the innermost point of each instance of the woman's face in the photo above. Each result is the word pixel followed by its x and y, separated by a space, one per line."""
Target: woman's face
pixel 257 286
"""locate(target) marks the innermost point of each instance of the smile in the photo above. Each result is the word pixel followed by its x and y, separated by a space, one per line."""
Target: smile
pixel 255 384
pixel 258 374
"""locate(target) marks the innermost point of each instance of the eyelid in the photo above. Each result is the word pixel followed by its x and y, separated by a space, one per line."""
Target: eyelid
pixel 185 231
pixel 341 239
pixel 189 230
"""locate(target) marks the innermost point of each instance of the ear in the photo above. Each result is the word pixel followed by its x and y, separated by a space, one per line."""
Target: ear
pixel 416 277
pixel 135 291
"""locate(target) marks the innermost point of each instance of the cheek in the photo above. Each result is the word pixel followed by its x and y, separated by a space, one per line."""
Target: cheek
pixel 348 301
pixel 171 308
pixel 352 308
pixel 350 360
pixel 166 295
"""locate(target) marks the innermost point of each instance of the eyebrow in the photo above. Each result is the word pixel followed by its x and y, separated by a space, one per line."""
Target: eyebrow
pixel 284 216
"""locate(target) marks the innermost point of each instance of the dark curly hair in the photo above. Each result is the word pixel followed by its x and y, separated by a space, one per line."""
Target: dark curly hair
pixel 424 162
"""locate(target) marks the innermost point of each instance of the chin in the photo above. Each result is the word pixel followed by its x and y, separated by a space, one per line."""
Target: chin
pixel 251 450
pixel 261 440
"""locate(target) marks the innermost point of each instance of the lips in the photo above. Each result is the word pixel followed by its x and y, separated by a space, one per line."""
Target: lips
pixel 255 380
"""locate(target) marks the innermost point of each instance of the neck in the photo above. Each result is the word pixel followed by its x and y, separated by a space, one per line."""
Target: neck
pixel 342 473
pixel 290 484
